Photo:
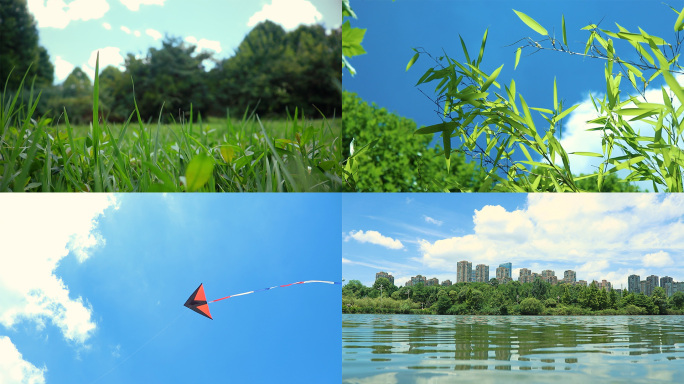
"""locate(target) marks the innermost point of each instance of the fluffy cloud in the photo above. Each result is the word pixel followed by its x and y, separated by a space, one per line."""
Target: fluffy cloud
pixel 13 367
pixel 126 30
pixel 32 248
pixel 288 13
pixel 430 220
pixel 204 44
pixel 58 13
pixel 153 33
pixel 374 237
pixel 62 68
pixel 583 231
pixel 657 259
pixel 107 26
pixel 134 5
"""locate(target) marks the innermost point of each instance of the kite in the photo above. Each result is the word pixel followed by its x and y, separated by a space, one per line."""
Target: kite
pixel 198 300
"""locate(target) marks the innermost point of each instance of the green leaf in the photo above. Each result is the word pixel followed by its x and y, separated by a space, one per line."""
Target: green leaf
pixel 592 154
pixel 491 78
pixel 517 57
pixel 199 171
pixel 482 48
pixel 413 60
pixel 530 22
pixel 565 37
pixel 351 40
pixel 679 24
pixel 441 127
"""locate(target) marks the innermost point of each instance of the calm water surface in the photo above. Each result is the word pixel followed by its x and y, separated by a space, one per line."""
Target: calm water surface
pixel 379 349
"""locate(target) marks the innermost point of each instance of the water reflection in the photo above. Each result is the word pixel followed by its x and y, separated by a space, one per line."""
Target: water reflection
pixel 404 348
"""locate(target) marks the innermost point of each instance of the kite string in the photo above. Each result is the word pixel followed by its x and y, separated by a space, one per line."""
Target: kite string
pixel 138 350
pixel 277 286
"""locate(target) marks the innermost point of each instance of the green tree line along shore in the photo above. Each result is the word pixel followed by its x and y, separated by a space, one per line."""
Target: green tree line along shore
pixel 264 119
pixel 513 298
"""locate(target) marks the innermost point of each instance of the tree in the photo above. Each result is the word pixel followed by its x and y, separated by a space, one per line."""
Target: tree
pixel 492 124
pixel 677 300
pixel 400 161
pixel 19 47
pixel 531 306
pixel 539 289
pixel 443 304
pixel 660 300
pixel 354 288
pixel 172 76
pixel 383 284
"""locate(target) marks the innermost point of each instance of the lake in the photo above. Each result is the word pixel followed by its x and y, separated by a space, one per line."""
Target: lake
pixel 387 349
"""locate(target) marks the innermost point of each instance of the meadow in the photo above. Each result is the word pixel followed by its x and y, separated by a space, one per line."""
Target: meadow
pixel 233 154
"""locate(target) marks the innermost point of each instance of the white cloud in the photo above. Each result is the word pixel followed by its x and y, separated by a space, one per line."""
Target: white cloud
pixel 62 68
pixel 108 56
pixel 288 13
pixel 204 44
pixel 134 5
pixel 107 26
pixel 153 33
pixel 658 259
pixel 126 29
pixel 593 232
pixel 374 237
pixel 29 288
pixel 430 220
pixel 59 13
pixel 13 367
pixel 136 33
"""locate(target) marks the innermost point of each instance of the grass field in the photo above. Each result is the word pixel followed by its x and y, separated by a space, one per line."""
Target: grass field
pixel 233 154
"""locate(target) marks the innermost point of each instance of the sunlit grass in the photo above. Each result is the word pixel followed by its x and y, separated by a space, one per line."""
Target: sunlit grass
pixel 233 154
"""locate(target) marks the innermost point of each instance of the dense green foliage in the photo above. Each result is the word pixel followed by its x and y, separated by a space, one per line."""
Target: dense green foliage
pixel 271 73
pixel 514 298
pixel 494 123
pixel 399 161
pixel 19 47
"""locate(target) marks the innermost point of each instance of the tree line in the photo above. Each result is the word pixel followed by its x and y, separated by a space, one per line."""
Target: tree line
pixel 513 298
pixel 272 72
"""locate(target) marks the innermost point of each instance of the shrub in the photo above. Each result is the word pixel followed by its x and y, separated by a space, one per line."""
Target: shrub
pixel 531 306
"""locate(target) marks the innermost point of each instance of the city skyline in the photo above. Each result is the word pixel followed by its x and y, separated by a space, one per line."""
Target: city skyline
pixel 598 237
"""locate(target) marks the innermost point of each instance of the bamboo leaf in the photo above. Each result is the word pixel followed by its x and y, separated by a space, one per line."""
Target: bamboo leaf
pixel 530 22
pixel 592 154
pixel 517 57
pixel 491 78
pixel 679 24
pixel 441 127
pixel 413 60
pixel 565 37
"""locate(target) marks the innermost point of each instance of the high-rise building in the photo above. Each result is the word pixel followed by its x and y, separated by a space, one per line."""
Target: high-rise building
pixel 525 275
pixel 446 283
pixel 508 266
pixel 482 273
pixel 569 276
pixel 464 269
pixel 652 283
pixel 605 285
pixel 664 280
pixel 582 283
pixel 472 275
pixel 672 288
pixel 385 275
pixel 633 283
pixel 433 281
pixel 418 279
pixel 643 284
pixel 503 274
pixel 549 276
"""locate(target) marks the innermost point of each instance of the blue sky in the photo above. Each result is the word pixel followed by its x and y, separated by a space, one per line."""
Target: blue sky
pixel 74 30
pixel 600 236
pixel 92 288
pixel 394 28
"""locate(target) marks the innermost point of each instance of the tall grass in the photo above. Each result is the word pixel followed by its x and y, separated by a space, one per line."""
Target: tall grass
pixel 38 153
